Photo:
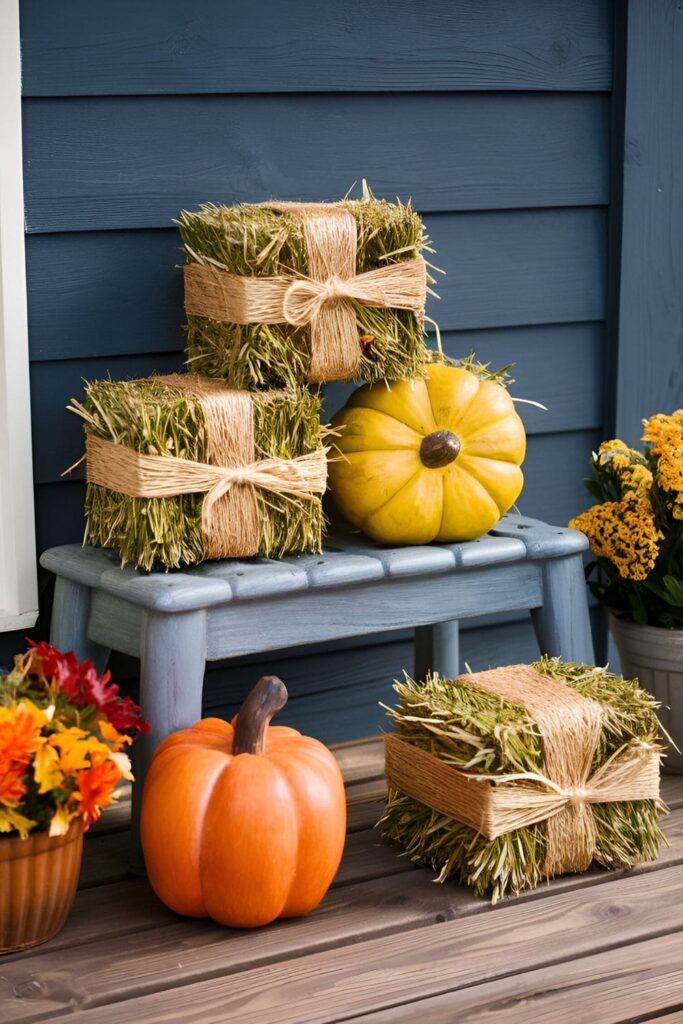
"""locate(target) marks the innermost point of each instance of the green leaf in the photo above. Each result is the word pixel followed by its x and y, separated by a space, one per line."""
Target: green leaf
pixel 655 587
pixel 638 609
pixel 594 488
pixel 674 591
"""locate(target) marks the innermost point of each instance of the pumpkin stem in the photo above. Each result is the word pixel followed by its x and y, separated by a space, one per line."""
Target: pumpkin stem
pixel 267 698
pixel 439 449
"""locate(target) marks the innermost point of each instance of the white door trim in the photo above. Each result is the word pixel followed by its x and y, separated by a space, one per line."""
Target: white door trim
pixel 18 570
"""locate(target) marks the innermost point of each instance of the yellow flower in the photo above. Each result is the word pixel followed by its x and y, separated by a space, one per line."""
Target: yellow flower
pixel 39 716
pixel 635 480
pixel 61 820
pixel 664 434
pixel 661 431
pixel 616 453
pixel 112 736
pixel 625 533
pixel 77 750
pixel 629 467
pixel 46 768
pixel 122 762
pixel 11 820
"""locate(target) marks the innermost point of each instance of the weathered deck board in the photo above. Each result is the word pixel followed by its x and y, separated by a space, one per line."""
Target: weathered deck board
pixel 344 982
pixel 125 958
pixel 604 989
pixel 167 951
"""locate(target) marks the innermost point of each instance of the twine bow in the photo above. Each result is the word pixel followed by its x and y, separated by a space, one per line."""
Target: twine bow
pixel 322 301
pixel 164 476
pixel 396 285
pixel 561 796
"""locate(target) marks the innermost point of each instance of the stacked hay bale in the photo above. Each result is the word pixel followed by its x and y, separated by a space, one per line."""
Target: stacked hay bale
pixel 267 241
pixel 229 460
pixel 161 416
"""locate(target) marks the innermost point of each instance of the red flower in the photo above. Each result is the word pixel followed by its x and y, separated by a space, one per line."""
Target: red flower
pixel 63 668
pixel 81 684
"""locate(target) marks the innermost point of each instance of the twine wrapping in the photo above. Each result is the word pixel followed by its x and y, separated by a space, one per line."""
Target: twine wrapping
pixel 322 301
pixel 229 479
pixel 570 726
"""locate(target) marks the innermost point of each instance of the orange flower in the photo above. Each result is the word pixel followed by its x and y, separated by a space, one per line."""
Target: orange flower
pixel 18 735
pixel 95 788
pixel 12 788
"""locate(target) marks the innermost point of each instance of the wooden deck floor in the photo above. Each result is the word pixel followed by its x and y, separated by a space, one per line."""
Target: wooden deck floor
pixel 387 945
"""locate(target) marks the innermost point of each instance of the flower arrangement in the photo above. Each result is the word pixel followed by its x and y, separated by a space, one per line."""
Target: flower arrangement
pixel 636 530
pixel 63 733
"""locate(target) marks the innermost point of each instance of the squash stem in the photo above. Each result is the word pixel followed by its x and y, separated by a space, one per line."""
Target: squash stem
pixel 439 449
pixel 267 698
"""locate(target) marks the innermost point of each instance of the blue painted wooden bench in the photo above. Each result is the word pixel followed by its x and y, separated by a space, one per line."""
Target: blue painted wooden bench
pixel 174 622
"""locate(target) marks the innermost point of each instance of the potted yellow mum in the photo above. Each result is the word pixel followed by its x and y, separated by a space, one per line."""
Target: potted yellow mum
pixel 63 734
pixel 636 531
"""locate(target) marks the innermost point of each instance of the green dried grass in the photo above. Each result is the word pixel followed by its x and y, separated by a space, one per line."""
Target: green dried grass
pixel 257 241
pixel 478 732
pixel 155 417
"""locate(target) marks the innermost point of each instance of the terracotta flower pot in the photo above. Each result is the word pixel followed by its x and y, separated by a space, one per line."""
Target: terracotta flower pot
pixel 38 879
pixel 655 657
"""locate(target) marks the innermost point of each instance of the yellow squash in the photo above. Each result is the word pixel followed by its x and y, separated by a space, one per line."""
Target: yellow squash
pixel 428 460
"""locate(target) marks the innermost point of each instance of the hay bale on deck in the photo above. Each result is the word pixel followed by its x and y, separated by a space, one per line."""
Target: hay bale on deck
pixel 478 733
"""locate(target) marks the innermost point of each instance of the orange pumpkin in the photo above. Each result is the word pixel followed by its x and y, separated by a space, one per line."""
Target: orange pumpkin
pixel 243 822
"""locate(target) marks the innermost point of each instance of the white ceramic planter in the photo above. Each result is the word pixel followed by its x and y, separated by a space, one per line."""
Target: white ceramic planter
pixel 655 656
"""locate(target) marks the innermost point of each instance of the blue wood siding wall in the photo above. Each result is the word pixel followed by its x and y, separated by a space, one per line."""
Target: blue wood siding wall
pixel 646 339
pixel 493 116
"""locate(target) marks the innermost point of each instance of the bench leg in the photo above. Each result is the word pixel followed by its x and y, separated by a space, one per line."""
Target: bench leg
pixel 562 623
pixel 437 649
pixel 70 620
pixel 172 664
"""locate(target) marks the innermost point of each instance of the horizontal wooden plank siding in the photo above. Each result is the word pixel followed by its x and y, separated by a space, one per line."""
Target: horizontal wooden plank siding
pixel 649 316
pixel 109 293
pixel 169 46
pixel 141 161
pixel 493 117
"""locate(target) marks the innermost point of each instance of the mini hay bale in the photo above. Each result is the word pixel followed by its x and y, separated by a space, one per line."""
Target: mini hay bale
pixel 181 469
pixel 272 300
pixel 495 778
